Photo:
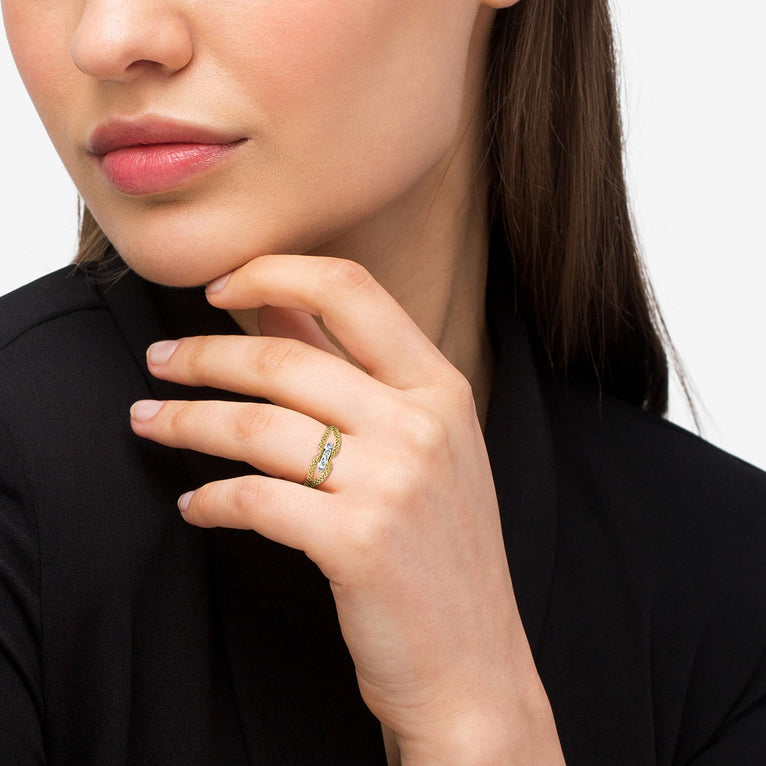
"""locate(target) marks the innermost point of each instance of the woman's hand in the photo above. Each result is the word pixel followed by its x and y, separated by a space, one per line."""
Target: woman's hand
pixel 406 527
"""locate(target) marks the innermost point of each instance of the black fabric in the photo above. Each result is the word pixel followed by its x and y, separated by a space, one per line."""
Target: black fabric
pixel 127 636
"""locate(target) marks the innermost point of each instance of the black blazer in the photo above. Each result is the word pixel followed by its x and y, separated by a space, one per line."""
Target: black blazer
pixel 638 555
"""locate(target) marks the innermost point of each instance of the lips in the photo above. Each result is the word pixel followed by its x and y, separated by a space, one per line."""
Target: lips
pixel 157 155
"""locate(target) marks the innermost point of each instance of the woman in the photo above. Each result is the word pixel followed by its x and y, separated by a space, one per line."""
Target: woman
pixel 411 223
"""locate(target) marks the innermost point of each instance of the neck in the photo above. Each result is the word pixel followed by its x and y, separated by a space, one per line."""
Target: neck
pixel 430 252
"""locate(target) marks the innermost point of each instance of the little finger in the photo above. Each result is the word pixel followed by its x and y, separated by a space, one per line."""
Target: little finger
pixel 287 513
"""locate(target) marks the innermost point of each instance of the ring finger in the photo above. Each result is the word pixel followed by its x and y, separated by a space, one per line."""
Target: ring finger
pixel 277 441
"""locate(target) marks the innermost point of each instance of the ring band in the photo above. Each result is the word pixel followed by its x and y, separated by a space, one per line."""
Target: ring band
pixel 329 447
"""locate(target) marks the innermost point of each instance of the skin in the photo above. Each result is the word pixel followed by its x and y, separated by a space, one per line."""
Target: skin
pixel 363 128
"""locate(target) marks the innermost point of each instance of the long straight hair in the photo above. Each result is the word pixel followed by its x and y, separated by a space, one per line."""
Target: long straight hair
pixel 558 191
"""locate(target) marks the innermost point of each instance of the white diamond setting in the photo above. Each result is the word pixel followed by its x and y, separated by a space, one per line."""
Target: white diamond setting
pixel 325 459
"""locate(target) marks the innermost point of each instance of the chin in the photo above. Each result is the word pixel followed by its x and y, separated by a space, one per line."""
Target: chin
pixel 175 252
pixel 180 263
pixel 183 245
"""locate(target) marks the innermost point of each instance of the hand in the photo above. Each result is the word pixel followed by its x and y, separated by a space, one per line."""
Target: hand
pixel 406 528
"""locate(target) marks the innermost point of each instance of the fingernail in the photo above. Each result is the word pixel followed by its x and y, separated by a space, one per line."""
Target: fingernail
pixel 145 410
pixel 185 501
pixel 217 284
pixel 159 353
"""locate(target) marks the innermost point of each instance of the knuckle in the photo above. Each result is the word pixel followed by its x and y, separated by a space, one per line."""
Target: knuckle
pixel 179 416
pixel 250 423
pixel 196 355
pixel 201 499
pixel 200 507
pixel 462 393
pixel 365 535
pixel 376 531
pixel 246 494
pixel 425 432
pixel 403 468
pixel 349 276
pixel 274 354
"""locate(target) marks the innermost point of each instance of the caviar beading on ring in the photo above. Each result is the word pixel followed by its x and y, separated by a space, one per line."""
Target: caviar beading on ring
pixel 328 448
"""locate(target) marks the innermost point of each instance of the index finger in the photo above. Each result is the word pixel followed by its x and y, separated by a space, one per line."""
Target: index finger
pixel 370 325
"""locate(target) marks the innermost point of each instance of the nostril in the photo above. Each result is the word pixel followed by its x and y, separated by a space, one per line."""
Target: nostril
pixel 143 64
pixel 112 45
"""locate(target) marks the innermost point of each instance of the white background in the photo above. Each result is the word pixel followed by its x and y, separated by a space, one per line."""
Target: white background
pixel 693 83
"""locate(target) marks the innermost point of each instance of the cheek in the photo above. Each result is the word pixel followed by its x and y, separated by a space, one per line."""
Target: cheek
pixel 38 35
pixel 340 82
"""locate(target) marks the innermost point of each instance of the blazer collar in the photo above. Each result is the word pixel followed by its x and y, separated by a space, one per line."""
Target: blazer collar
pixel 519 441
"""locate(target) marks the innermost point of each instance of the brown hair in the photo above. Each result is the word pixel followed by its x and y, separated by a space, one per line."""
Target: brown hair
pixel 93 245
pixel 559 191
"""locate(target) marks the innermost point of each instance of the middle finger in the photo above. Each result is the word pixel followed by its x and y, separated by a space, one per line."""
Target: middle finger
pixel 285 371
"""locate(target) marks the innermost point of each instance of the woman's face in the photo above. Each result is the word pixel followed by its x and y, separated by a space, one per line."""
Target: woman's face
pixel 202 133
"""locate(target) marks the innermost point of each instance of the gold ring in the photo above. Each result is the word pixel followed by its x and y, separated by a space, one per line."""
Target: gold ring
pixel 329 447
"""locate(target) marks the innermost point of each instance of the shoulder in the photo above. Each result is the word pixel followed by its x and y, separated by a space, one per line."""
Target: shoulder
pixel 683 525
pixel 64 363
pixel 660 567
pixel 690 508
pixel 65 330
pixel 665 468
pixel 46 300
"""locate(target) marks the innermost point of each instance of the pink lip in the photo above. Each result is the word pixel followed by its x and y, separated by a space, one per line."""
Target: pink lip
pixel 156 155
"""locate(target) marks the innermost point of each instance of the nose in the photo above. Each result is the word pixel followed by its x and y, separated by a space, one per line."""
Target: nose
pixel 119 40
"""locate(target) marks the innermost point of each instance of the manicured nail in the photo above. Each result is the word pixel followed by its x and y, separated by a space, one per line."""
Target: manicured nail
pixel 159 353
pixel 145 410
pixel 185 501
pixel 217 284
